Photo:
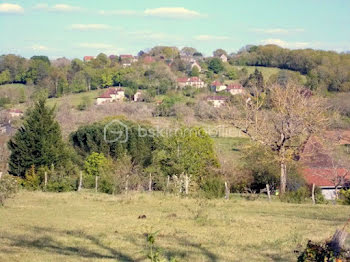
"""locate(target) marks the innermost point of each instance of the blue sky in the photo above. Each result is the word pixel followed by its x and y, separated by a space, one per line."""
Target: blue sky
pixel 87 27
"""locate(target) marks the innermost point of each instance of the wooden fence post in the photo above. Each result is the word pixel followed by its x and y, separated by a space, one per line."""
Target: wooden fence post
pixel 96 183
pixel 167 183
pixel 0 175
pixel 227 191
pixel 80 181
pixel 186 184
pixel 313 194
pixel 150 183
pixel 127 184
pixel 45 180
pixel 268 192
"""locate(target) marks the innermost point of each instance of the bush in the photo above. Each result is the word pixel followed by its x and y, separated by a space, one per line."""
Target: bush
pixel 8 187
pixel 298 196
pixel 32 180
pixel 213 187
pixel 315 252
pixel 345 196
pixel 59 182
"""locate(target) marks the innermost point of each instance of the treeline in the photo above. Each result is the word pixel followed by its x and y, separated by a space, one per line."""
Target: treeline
pixel 117 151
pixel 325 70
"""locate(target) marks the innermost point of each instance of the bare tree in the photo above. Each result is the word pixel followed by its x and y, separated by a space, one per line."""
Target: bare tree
pixel 281 118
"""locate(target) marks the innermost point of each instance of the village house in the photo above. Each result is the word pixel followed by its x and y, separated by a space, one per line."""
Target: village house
pixel 111 95
pixel 127 60
pixel 137 96
pixel 217 86
pixel 322 169
pixel 13 113
pixel 217 101
pixel 88 58
pixel 235 89
pixel 190 81
pixel 223 58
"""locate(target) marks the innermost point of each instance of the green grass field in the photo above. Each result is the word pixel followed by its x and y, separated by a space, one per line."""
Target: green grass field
pixel 86 226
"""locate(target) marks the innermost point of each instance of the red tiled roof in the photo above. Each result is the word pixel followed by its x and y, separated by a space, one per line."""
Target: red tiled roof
pixel 234 86
pixel 148 59
pixel 326 177
pixel 216 83
pixel 110 92
pixel 340 137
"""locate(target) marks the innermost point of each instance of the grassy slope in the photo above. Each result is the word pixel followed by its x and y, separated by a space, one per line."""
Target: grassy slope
pixel 96 227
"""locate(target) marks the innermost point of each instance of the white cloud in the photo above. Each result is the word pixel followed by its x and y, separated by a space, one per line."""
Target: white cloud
pixel 86 27
pixel 286 44
pixel 172 12
pixel 39 48
pixel 7 8
pixel 118 12
pixel 278 30
pixel 96 45
pixel 210 37
pixel 57 8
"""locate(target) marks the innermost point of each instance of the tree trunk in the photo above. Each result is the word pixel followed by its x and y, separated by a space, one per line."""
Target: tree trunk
pixel 127 184
pixel 283 184
pixel 186 184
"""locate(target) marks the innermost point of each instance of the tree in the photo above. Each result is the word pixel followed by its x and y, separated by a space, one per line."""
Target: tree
pixel 216 65
pixel 187 150
pixel 38 142
pixel 95 163
pixel 219 52
pixel 194 71
pixel 188 51
pixel 5 77
pixel 282 119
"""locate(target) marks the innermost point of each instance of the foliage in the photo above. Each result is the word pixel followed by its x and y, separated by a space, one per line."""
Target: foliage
pixel 154 253
pixel 216 65
pixel 315 252
pixel 8 187
pixel 95 163
pixel 38 142
pixel 85 103
pixel 32 180
pixel 345 196
pixel 188 150
pixel 212 187
pixel 298 196
pixel 124 136
pixel 194 71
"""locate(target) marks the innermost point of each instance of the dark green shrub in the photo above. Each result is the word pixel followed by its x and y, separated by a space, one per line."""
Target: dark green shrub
pixel 8 187
pixel 60 183
pixel 298 196
pixel 213 187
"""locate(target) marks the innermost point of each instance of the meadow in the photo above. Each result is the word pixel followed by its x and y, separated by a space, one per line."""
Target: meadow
pixel 87 226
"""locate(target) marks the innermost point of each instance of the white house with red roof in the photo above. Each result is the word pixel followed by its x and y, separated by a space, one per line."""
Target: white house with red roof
pixel 235 89
pixel 329 180
pixel 223 58
pixel 190 81
pixel 217 86
pixel 111 95
pixel 127 60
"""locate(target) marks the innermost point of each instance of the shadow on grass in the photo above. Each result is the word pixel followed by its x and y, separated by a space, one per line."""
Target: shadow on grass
pixel 47 240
